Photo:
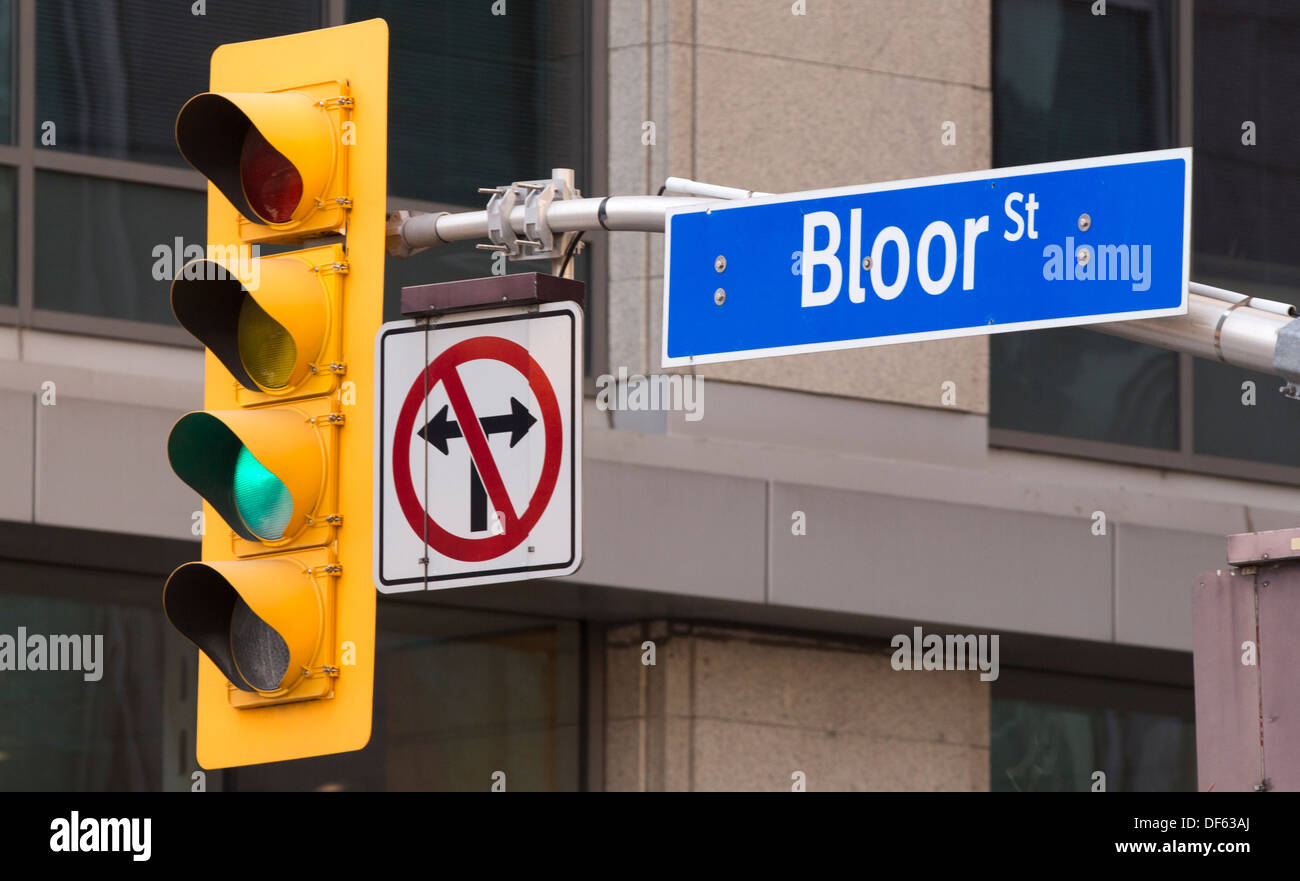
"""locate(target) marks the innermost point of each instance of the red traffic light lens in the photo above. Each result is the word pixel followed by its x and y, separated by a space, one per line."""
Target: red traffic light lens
pixel 272 185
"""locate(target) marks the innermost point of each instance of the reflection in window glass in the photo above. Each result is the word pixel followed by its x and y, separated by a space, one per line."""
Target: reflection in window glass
pixel 96 242
pixel 112 75
pixel 8 210
pixel 1043 747
pixel 6 72
pixel 1069 84
pixel 1246 188
pixel 1052 733
pixel 458 696
pixel 480 100
pixel 59 731
pixel 1085 385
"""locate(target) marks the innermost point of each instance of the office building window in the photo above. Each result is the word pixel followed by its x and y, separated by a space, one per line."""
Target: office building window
pixel 60 730
pixel 1245 191
pixel 111 75
pixel 8 208
pixel 7 78
pixel 1070 84
pixel 1056 733
pixel 458 694
pixel 95 241
pixel 477 100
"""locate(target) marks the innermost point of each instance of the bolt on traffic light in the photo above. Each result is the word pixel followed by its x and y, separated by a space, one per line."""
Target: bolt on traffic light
pixel 292 139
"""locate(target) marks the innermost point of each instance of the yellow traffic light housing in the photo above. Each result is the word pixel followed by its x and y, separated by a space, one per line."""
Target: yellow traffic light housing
pixel 261 622
pixel 292 137
pixel 263 472
pixel 273 322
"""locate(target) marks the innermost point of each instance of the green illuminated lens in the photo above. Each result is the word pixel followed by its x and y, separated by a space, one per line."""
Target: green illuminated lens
pixel 265 347
pixel 260 498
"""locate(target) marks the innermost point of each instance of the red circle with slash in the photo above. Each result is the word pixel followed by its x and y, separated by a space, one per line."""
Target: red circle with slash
pixel 444 370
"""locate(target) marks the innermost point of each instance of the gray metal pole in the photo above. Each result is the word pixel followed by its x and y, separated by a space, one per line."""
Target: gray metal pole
pixel 1239 333
pixel 1219 325
pixel 635 213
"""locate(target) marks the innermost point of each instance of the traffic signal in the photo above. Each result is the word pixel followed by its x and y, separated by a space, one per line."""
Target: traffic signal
pixel 292 138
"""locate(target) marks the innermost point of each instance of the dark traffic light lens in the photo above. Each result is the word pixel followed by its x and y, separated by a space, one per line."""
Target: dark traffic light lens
pixel 260 654
pixel 271 183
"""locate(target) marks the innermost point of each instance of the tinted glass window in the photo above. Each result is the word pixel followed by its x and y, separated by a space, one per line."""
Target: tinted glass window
pixel 476 99
pixel 1246 188
pixel 60 730
pixel 112 75
pixel 1069 84
pixel 458 697
pixel 97 242
pixel 1053 733
pixel 8 209
pixel 6 71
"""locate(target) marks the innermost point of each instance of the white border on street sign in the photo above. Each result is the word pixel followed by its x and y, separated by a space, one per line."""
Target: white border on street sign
pixel 1184 153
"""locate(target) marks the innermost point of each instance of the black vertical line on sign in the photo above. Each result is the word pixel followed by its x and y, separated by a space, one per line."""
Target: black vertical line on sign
pixel 424 561
pixel 477 501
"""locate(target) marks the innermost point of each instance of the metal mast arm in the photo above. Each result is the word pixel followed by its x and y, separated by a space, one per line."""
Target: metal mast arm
pixel 1220 325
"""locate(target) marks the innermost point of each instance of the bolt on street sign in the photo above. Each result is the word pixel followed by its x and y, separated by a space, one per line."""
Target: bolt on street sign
pixel 479 468
pixel 1063 243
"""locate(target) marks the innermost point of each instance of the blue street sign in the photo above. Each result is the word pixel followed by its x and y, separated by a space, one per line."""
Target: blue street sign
pixel 1080 242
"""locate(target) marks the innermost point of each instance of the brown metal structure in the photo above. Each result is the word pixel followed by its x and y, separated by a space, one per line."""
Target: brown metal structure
pixel 1246 620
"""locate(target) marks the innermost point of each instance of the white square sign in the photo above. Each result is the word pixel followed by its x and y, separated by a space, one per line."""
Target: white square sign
pixel 479 459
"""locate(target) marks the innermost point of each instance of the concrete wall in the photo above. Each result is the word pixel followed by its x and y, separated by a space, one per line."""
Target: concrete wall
pixel 907 515
pixel 83 432
pixel 729 709
pixel 745 93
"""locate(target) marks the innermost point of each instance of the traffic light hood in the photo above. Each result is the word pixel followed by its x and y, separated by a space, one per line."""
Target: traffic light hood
pixel 267 326
pixel 259 621
pixel 263 472
pixel 271 154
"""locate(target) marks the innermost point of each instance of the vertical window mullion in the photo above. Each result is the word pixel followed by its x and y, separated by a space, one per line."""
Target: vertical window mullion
pixel 1184 15
pixel 25 125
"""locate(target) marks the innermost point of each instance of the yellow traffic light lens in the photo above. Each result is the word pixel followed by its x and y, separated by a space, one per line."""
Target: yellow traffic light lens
pixel 262 500
pixel 266 349
pixel 271 184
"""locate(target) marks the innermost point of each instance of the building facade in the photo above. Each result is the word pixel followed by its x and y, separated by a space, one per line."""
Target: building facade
pixel 748 574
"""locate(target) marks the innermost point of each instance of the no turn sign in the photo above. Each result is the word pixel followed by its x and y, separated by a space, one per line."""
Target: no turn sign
pixel 480 452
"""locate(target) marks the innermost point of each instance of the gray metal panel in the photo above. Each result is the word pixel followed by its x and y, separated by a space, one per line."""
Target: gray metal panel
pixel 673 531
pixel 1227 691
pixel 16 451
pixel 104 466
pixel 1279 622
pixel 1155 570
pixel 844 425
pixel 930 561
